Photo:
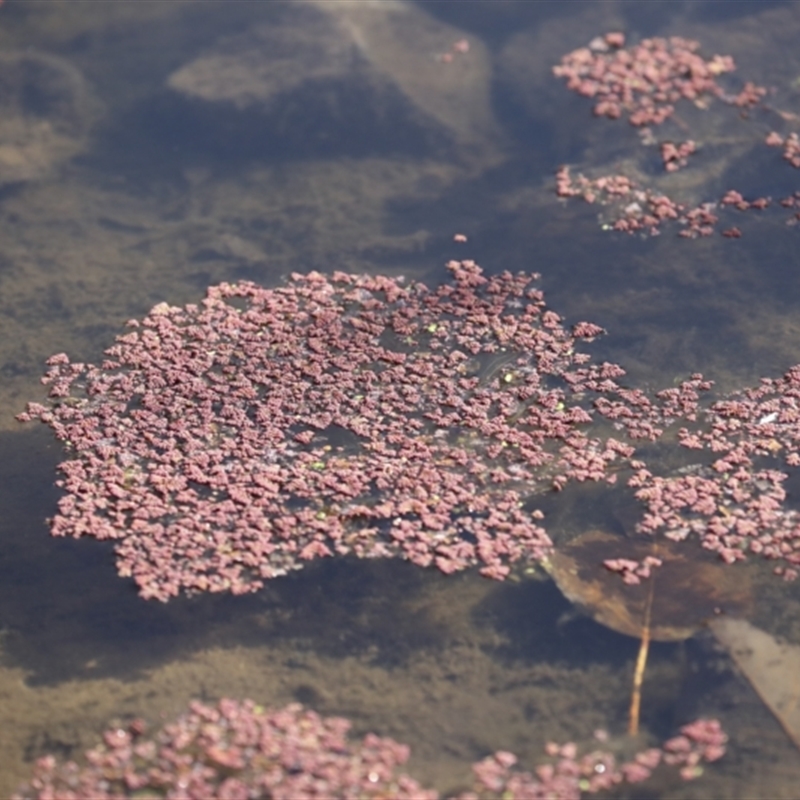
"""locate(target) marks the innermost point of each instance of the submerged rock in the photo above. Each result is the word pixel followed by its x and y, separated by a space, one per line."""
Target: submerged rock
pixel 346 77
pixel 46 111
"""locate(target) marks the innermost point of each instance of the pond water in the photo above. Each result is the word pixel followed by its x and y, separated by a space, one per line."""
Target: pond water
pixel 153 149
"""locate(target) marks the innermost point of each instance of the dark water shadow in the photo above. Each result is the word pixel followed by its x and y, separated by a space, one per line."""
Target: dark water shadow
pixel 65 614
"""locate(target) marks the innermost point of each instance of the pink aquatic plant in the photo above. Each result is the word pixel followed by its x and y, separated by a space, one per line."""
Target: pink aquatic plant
pixel 238 750
pixel 570 775
pixel 630 208
pixel 222 444
pixel 674 156
pixel 646 80
pixel 232 751
pixel 733 499
pixel 790 144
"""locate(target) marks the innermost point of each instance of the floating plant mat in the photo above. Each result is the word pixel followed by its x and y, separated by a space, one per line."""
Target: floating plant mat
pixel 682 592
pixel 226 443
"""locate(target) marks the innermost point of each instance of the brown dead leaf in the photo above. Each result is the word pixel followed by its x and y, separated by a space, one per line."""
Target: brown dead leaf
pixel 689 589
pixel 680 595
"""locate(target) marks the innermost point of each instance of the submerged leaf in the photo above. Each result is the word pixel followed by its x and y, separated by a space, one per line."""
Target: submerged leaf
pixel 687 590
pixel 771 667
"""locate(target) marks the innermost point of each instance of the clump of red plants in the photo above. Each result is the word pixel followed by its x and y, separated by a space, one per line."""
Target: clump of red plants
pixel 225 443
pixel 645 82
pixel 222 444
pixel 238 750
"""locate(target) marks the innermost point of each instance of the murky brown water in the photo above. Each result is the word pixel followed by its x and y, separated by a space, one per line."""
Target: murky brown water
pixel 135 194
